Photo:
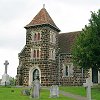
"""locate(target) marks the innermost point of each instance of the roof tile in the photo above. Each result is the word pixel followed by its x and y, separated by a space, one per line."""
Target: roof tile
pixel 42 17
pixel 66 40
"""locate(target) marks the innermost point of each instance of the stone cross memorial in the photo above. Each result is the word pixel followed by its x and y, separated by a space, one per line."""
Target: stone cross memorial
pixel 6 64
pixel 54 91
pixel 5 77
pixel 88 85
pixel 36 89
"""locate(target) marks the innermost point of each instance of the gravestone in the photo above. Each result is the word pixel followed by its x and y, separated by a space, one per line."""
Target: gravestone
pixel 36 89
pixel 5 77
pixel 54 91
pixel 25 92
pixel 88 85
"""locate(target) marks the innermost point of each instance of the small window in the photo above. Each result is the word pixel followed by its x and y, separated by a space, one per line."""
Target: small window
pixel 52 37
pixel 52 54
pixel 66 70
pixel 34 54
pixel 35 37
pixel 37 53
pixel 38 36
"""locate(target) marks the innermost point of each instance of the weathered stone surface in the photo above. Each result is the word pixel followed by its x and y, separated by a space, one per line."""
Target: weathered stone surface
pixel 36 89
pixel 25 92
pixel 54 91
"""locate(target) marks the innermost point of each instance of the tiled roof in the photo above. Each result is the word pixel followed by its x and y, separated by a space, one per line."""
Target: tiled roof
pixel 41 18
pixel 66 40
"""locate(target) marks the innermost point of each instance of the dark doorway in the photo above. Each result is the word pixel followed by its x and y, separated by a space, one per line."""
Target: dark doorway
pixel 94 75
pixel 35 74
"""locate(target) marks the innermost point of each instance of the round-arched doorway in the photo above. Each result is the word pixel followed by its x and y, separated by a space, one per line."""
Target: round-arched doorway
pixel 34 73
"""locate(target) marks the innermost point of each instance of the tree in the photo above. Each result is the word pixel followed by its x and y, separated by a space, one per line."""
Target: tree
pixel 12 81
pixel 86 49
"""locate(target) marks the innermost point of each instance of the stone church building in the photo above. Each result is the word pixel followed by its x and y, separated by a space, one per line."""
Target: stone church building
pixel 46 55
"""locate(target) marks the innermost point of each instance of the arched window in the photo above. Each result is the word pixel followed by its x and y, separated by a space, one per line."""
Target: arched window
pixel 52 53
pixel 35 37
pixel 37 53
pixel 34 54
pixel 52 37
pixel 40 53
pixel 38 36
pixel 68 69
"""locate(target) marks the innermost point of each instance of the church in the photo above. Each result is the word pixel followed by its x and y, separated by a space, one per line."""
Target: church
pixel 47 57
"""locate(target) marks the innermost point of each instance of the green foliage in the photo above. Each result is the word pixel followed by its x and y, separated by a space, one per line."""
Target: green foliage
pixel 12 81
pixel 86 49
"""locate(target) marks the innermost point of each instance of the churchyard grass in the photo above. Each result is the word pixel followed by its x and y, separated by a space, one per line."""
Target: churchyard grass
pixel 96 92
pixel 79 90
pixel 74 89
pixel 8 93
pixel 45 94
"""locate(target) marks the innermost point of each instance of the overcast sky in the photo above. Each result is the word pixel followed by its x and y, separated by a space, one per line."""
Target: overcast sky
pixel 69 15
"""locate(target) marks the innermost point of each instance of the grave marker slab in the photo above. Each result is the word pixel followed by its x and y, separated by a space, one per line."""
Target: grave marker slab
pixel 54 91
pixel 36 89
pixel 88 85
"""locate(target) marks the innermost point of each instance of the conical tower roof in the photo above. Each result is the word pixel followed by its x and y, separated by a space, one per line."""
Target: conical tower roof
pixel 42 18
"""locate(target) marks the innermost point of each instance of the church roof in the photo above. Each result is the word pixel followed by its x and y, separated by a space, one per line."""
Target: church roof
pixel 42 18
pixel 66 40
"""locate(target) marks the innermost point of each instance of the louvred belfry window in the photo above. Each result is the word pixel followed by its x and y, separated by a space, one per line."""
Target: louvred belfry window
pixel 35 37
pixel 52 54
pixel 38 36
pixel 37 53
pixel 52 37
pixel 34 53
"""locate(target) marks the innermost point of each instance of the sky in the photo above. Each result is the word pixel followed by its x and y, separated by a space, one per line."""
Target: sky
pixel 68 15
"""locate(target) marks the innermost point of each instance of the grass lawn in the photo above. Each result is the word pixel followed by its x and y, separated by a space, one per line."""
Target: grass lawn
pixel 74 89
pixel 6 94
pixel 45 94
pixel 81 91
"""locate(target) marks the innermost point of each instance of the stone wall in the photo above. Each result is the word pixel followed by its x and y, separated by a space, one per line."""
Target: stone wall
pixel 77 78
pixel 47 66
